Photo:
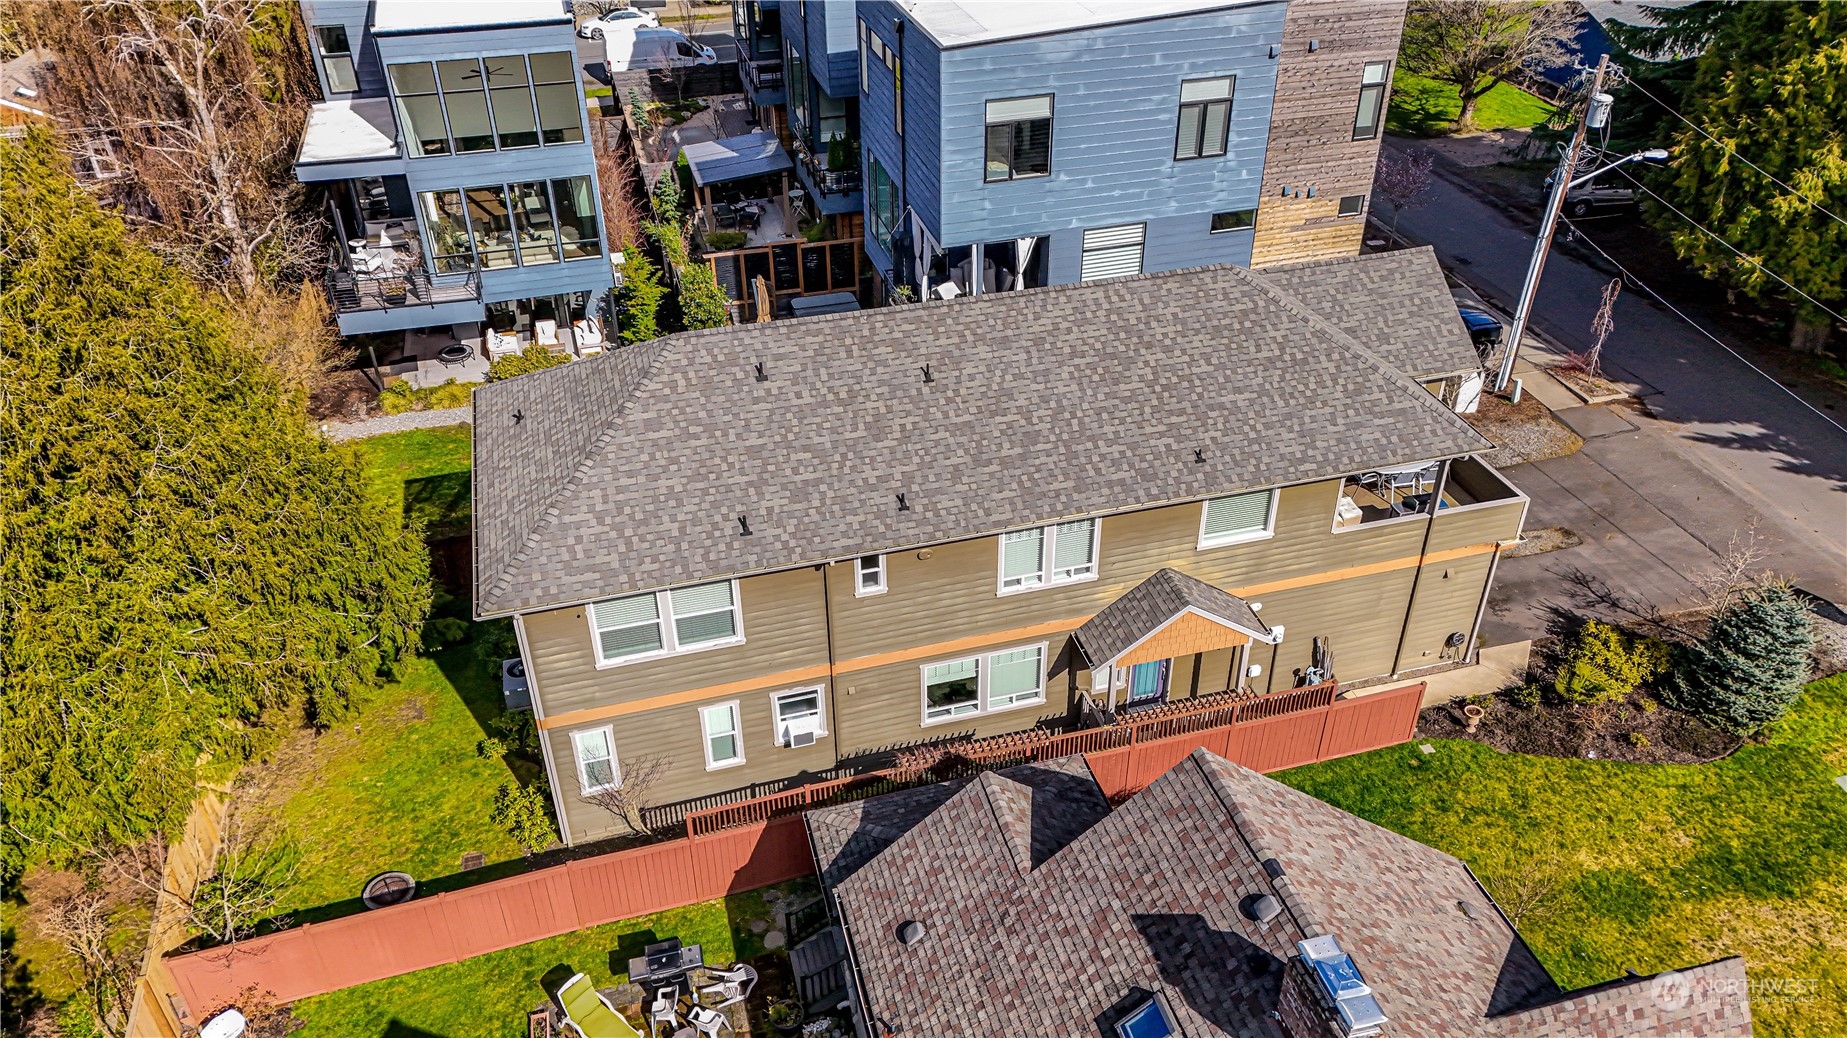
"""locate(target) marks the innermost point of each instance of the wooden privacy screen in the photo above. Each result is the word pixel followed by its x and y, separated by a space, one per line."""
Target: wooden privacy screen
pixel 320 957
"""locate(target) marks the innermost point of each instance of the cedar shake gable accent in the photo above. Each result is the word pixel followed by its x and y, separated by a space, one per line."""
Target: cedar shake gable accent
pixel 1157 602
pixel 627 472
pixel 1148 899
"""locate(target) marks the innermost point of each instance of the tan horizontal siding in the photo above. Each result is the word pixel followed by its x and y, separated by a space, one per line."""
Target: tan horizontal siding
pixel 1499 521
pixel 1448 597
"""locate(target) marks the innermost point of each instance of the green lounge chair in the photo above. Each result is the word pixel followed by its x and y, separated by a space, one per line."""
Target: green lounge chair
pixel 589 1013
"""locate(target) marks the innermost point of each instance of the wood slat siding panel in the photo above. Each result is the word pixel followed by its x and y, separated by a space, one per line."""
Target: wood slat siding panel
pixel 1477 524
pixel 1281 742
pixel 1311 127
pixel 1186 636
pixel 784 628
pixel 1448 597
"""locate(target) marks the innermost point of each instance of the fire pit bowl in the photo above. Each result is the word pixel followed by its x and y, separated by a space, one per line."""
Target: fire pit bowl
pixel 388 888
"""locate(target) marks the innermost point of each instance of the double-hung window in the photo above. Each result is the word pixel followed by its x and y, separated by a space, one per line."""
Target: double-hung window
pixel 798 717
pixel 869 575
pixel 1063 553
pixel 336 54
pixel 665 623
pixel 1205 118
pixel 983 684
pixel 1240 517
pixel 1019 140
pixel 595 750
pixel 723 734
pixel 1366 119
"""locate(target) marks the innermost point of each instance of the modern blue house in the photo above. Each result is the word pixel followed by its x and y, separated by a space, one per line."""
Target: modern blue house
pixel 454 147
pixel 1006 145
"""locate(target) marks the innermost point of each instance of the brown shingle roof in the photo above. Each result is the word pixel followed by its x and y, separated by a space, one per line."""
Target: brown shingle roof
pixel 1146 900
pixel 1151 604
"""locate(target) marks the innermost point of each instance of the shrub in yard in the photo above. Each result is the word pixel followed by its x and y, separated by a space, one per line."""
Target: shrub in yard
pixel 702 302
pixel 1603 664
pixel 518 732
pixel 719 241
pixel 1526 696
pixel 525 362
pixel 525 814
pixel 443 631
pixel 495 641
pixel 1638 740
pixel 1751 664
pixel 638 300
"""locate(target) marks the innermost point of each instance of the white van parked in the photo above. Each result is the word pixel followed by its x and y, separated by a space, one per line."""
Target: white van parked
pixel 650 48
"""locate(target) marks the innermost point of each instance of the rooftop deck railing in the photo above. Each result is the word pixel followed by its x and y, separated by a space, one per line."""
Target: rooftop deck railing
pixel 965 758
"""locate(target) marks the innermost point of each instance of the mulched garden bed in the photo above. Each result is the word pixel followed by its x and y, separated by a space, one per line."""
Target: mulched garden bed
pixel 1627 731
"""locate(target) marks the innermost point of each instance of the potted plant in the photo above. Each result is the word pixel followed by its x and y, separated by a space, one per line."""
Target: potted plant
pixel 784 1015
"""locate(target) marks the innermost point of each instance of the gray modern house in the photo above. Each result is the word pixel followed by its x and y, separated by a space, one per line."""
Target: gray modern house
pixel 997 146
pixel 453 144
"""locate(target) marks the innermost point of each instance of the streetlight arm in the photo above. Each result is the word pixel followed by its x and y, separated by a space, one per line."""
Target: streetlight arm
pixel 1651 155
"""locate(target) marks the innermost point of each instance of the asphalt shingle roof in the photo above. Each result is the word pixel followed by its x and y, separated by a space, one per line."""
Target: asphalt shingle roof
pixel 1152 603
pixel 1146 899
pixel 1397 304
pixel 628 472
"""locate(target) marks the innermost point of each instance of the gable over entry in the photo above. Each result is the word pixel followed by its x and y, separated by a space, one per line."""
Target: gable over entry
pixel 1170 614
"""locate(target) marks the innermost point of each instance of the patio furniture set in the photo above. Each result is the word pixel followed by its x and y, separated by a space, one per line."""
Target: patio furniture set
pixel 746 215
pixel 687 1000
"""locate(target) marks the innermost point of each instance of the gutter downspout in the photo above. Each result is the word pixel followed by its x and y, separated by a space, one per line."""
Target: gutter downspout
pixel 1417 579
pixel 833 662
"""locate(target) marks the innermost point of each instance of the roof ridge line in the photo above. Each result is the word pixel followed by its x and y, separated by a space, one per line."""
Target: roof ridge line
pixel 1258 842
pixel 1005 831
pixel 549 512
pixel 1341 339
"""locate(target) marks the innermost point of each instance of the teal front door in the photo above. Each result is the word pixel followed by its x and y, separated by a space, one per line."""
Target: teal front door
pixel 1148 681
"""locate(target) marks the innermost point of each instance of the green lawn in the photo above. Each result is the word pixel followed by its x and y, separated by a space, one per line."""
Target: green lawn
pixel 1426 108
pixel 425 472
pixel 488 996
pixel 400 786
pixel 1647 866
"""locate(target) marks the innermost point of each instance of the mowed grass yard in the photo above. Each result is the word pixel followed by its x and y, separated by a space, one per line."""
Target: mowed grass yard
pixel 399 786
pixel 1426 108
pixel 1647 866
pixel 489 995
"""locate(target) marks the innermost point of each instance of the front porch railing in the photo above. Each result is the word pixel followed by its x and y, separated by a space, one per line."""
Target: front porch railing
pixel 765 74
pixel 962 759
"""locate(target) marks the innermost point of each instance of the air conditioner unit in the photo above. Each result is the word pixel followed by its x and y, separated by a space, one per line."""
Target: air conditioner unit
pixel 796 740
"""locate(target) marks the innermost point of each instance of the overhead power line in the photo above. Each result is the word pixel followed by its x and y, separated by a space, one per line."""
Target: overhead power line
pixel 1656 296
pixel 1735 250
pixel 1733 151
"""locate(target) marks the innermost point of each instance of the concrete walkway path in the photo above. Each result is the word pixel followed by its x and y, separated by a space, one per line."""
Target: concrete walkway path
pixel 391 423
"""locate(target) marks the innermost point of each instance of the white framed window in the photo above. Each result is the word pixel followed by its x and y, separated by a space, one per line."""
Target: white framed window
pixel 1351 205
pixel 724 735
pixel 665 623
pixel 1112 252
pixel 1063 553
pixel 1238 518
pixel 797 717
pixel 983 684
pixel 1016 677
pixel 595 750
pixel 868 575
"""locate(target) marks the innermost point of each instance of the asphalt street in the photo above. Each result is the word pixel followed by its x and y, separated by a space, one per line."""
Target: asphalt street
pixel 1718 450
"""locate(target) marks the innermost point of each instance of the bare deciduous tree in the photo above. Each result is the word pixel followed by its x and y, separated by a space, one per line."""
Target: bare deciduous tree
pixel 204 100
pixel 84 924
pixel 1404 178
pixel 1475 44
pixel 629 802
pixel 1524 888
pixel 253 872
pixel 622 214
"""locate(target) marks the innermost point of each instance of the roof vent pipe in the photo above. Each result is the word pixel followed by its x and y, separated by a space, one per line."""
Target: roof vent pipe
pixel 910 932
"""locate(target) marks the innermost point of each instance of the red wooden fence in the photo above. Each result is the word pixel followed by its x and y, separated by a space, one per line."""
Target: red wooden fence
pixel 320 957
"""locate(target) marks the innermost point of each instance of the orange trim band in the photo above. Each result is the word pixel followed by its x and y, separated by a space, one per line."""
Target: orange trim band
pixel 783 679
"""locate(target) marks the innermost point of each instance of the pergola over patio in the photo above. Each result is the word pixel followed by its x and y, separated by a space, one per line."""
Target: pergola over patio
pixel 753 165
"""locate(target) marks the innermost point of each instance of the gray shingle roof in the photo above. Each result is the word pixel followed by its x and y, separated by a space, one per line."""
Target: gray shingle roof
pixel 1393 303
pixel 1147 899
pixel 1151 604
pixel 627 472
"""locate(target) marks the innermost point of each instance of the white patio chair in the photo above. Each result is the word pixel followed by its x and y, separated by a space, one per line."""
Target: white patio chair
pixel 665 1012
pixel 733 985
pixel 365 262
pixel 707 1021
pixel 546 332
pixel 589 336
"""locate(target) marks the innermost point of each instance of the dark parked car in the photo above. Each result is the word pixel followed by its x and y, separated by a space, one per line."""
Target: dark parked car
pixel 1484 329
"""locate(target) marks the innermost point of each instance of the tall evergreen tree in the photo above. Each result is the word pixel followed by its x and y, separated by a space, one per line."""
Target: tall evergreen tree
pixel 1752 663
pixel 184 558
pixel 1771 87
